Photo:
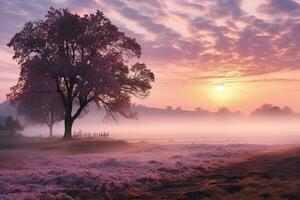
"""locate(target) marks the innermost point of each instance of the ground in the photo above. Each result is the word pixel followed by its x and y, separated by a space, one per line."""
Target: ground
pixel 35 168
pixel 273 176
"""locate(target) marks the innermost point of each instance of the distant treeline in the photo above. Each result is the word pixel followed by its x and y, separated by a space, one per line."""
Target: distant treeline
pixel 264 110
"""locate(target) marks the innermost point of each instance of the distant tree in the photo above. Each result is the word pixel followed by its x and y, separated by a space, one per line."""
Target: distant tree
pixel 38 101
pixel 223 111
pixel 87 59
pixel 11 125
pixel 287 110
pixel 178 109
pixel 199 109
pixel 266 106
pixel 271 110
pixel 169 108
pixel 44 110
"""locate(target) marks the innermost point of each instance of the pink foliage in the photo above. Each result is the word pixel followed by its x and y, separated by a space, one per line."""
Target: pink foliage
pixel 47 176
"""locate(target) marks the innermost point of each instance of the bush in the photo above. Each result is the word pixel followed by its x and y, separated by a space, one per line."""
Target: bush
pixel 11 126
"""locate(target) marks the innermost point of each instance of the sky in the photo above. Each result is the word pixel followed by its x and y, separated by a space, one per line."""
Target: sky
pixel 208 53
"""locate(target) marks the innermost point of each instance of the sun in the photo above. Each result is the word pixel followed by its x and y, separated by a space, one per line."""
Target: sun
pixel 220 88
pixel 220 93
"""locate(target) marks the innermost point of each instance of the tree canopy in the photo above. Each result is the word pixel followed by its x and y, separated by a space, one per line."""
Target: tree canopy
pixel 88 59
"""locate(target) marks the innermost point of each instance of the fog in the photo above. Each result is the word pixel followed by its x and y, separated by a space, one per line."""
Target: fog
pixel 215 130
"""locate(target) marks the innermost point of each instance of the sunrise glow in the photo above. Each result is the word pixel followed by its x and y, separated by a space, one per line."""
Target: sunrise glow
pixel 189 45
pixel 149 99
pixel 221 94
pixel 220 89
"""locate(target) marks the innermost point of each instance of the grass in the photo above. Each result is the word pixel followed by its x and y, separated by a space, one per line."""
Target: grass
pixel 74 146
pixel 273 176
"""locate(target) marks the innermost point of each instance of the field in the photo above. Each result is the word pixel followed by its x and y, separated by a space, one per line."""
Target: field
pixel 273 176
pixel 112 169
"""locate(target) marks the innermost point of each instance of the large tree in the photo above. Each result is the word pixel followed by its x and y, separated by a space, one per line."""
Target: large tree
pixel 87 57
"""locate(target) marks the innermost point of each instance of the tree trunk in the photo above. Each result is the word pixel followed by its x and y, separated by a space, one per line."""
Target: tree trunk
pixel 68 129
pixel 51 130
pixel 68 121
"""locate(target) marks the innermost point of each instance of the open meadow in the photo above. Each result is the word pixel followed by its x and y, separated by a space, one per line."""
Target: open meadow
pixel 35 168
pixel 149 100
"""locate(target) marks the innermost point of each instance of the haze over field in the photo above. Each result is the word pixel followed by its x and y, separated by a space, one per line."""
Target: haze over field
pixel 149 99
pixel 182 126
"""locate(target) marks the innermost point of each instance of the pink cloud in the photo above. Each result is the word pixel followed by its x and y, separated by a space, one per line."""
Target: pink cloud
pixel 212 36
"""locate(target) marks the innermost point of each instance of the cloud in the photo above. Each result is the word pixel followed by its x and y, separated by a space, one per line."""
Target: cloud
pixel 283 7
pixel 216 36
pixel 192 6
pixel 227 8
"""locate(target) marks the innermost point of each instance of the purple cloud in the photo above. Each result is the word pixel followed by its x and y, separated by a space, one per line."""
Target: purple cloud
pixel 226 8
pixel 275 7
pixel 198 35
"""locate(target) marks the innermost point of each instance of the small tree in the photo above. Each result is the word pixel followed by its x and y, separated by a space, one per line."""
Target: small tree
pixel 87 58
pixel 42 109
pixel 198 109
pixel 169 108
pixel 178 109
pixel 223 111
pixel 38 101
pixel 12 125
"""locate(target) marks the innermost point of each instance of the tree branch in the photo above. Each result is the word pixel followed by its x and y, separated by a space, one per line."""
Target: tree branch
pixel 80 109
